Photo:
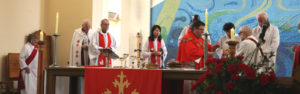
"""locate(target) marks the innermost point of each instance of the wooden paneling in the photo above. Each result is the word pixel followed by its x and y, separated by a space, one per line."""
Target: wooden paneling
pixel 13 66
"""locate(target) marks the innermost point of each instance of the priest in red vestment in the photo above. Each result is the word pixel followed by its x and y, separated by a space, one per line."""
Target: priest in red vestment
pixel 191 47
pixel 102 40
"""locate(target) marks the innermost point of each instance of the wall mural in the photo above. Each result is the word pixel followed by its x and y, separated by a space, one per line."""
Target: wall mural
pixel 173 15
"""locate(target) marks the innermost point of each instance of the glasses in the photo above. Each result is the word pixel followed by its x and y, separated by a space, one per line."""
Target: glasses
pixel 240 33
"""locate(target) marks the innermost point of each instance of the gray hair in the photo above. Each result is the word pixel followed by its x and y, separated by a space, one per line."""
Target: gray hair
pixel 246 29
pixel 263 14
pixel 86 21
pixel 30 37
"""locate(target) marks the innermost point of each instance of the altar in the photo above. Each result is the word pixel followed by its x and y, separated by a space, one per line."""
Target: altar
pixel 73 72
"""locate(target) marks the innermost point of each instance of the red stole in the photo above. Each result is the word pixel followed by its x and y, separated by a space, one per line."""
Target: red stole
pixel 261 52
pixel 296 59
pixel 21 84
pixel 102 44
pixel 152 49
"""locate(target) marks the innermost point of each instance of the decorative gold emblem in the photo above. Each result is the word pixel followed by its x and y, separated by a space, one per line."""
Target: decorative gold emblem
pixel 121 85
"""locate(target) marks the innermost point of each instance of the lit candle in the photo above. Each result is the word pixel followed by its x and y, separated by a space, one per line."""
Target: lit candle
pixel 206 21
pixel 41 36
pixel 56 24
pixel 232 34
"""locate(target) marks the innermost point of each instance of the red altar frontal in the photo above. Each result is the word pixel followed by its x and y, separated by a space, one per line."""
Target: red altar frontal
pixel 122 81
pixel 113 81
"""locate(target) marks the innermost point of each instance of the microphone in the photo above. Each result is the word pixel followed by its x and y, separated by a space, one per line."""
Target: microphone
pixel 265 26
pixel 162 56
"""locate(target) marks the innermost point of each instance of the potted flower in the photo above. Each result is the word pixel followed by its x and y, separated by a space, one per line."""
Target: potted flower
pixel 232 76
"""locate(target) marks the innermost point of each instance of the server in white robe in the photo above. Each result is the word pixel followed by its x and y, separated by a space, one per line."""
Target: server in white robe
pixel 272 38
pixel 29 66
pixel 102 39
pixel 187 29
pixel 248 47
pixel 154 48
pixel 223 50
pixel 79 52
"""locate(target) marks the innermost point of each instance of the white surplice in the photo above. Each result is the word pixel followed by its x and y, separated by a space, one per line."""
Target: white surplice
pixel 30 79
pixel 272 40
pixel 185 31
pixel 79 38
pixel 147 54
pixel 247 49
pixel 94 53
pixel 223 44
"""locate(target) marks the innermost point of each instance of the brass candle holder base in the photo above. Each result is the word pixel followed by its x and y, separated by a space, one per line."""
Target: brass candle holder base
pixel 41 42
pixel 232 48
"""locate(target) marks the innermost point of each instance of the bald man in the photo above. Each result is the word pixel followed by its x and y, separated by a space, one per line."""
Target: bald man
pixel 248 46
pixel 79 52
pixel 272 38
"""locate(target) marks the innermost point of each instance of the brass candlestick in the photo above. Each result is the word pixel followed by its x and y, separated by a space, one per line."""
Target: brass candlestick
pixel 232 48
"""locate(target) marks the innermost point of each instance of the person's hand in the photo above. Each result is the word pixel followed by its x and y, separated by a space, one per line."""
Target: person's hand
pixel 211 54
pixel 294 48
pixel 27 70
pixel 156 53
pixel 217 45
pixel 84 46
pixel 226 52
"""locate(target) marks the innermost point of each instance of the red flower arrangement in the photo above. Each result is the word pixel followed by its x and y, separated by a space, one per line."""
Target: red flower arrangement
pixel 232 76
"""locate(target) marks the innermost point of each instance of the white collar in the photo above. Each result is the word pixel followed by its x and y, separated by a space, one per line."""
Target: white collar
pixel 252 37
pixel 102 32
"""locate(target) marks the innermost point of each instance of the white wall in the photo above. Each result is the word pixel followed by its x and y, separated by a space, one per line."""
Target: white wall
pixel 135 17
pixel 21 17
pixel 18 18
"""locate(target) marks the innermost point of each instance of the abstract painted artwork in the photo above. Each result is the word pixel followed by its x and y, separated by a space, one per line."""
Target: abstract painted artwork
pixel 174 15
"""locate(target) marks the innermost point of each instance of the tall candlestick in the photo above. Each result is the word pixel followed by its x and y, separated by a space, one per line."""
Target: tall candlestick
pixel 206 21
pixel 56 24
pixel 41 36
pixel 232 34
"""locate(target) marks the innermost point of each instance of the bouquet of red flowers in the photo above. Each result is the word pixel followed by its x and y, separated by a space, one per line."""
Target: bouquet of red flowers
pixel 232 76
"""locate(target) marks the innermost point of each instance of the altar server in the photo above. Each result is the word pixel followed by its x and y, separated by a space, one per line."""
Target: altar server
pixel 29 66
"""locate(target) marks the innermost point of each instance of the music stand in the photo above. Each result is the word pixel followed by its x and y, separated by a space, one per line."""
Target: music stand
pixel 109 54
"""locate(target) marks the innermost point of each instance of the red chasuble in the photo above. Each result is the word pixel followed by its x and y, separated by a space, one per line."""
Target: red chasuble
pixel 191 48
pixel 296 58
pixel 154 59
pixel 21 84
pixel 102 44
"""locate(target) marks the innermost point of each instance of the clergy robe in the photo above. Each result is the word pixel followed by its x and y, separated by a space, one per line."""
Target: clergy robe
pixel 272 40
pixel 187 29
pixel 223 44
pixel 247 48
pixel 296 59
pixel 29 58
pixel 100 41
pixel 78 55
pixel 155 45
pixel 191 48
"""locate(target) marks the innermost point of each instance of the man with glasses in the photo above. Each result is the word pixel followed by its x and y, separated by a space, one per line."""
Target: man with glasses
pixel 248 46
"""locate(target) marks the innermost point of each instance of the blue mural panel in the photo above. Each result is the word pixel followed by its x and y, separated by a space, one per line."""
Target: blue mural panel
pixel 283 14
